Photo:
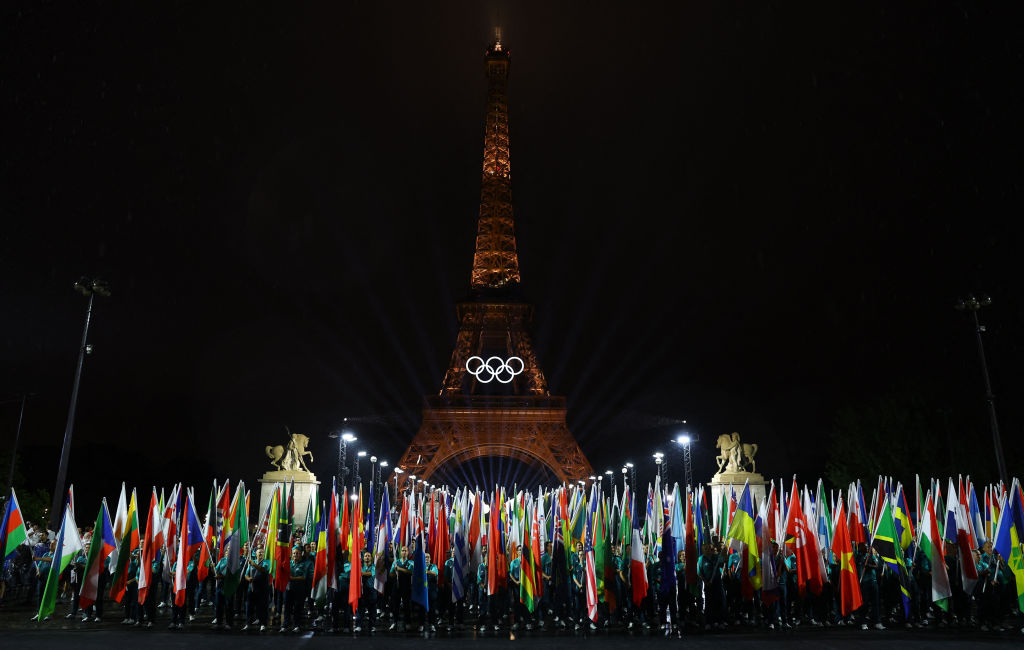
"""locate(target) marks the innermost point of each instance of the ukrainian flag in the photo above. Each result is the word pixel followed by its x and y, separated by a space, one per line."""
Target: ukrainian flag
pixel 742 530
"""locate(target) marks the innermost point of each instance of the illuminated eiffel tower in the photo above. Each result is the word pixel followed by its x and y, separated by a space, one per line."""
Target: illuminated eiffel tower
pixel 494 400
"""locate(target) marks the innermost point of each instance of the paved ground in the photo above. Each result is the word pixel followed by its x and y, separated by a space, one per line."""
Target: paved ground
pixel 107 638
pixel 17 631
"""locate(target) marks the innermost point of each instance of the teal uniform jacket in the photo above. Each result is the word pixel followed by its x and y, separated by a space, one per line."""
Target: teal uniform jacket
pixel 546 565
pixel 449 570
pixel 431 570
pixel 368 580
pixel 709 567
pixel 871 566
pixel 681 574
pixel 481 574
pixel 133 570
pixel 343 577
pixel 221 568
pixel 298 577
pixel 577 575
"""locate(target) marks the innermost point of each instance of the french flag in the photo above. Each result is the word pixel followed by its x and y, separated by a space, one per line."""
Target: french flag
pixel 637 568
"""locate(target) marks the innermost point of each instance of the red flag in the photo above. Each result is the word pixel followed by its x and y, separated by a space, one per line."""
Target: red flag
pixel 355 576
pixel 808 571
pixel 849 589
pixel 154 539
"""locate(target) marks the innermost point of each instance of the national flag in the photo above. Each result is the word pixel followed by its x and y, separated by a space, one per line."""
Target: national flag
pixel 975 517
pixel 901 518
pixel 419 574
pixel 355 582
pixel 637 568
pixel 805 546
pixel 69 545
pixel 886 542
pixel 382 552
pixel 742 530
pixel 528 570
pixel 931 546
pixel 237 539
pixel 12 528
pixel 128 544
pixel 770 591
pixel 191 540
pixel 283 539
pixel 968 568
pixel 101 546
pixel 691 545
pixel 209 535
pixel 842 546
pixel 154 540
pixel 1009 538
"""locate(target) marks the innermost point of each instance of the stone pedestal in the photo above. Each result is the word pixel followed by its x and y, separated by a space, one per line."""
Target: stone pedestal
pixel 720 484
pixel 305 484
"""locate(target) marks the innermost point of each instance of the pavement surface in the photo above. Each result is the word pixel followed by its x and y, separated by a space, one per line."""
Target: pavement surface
pixel 18 631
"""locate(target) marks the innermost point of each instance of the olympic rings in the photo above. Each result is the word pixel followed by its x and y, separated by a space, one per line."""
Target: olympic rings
pixel 485 371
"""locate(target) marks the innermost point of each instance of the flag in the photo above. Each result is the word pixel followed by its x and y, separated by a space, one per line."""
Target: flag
pixel 742 530
pixel 154 540
pixel 419 575
pixel 591 578
pixel 931 546
pixel 1009 536
pixel 637 568
pixel 968 568
pixel 191 540
pixel 886 542
pixel 69 544
pixel 128 543
pixel 283 540
pixel 237 539
pixel 842 546
pixel 102 545
pixel 12 528
pixel 381 551
pixel 805 546
pixel 528 571
pixel 355 582
pixel 691 546
pixel 901 518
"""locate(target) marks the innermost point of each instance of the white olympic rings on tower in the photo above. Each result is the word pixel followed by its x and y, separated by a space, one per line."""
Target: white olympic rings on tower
pixel 485 371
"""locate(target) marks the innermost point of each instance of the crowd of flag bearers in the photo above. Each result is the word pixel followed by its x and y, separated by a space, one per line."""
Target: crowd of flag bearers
pixel 574 558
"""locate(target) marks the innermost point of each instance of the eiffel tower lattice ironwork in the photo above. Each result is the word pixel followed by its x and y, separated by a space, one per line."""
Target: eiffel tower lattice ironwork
pixel 509 416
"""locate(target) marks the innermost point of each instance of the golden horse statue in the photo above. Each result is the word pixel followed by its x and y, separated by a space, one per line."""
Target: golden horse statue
pixel 290 457
pixel 736 455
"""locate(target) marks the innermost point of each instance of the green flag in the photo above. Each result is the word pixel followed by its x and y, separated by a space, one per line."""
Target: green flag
pixel 69 544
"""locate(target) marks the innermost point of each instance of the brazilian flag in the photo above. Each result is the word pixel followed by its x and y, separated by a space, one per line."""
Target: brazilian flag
pixel 886 542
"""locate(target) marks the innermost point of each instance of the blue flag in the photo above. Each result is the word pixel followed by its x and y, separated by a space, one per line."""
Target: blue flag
pixel 419 575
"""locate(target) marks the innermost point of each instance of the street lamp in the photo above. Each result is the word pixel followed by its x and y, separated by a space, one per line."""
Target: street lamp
pixel 632 476
pixel 624 472
pixel 373 473
pixel 684 440
pixel 92 288
pixel 972 305
pixel 659 460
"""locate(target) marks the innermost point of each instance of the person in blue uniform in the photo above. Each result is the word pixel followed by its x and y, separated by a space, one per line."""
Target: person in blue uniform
pixel 401 572
pixel 257 576
pixel 368 598
pixel 869 564
pixel 224 615
pixel 341 609
pixel 430 615
pixel 295 593
pixel 482 601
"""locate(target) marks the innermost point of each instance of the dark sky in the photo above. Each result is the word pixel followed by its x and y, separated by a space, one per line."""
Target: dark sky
pixel 746 215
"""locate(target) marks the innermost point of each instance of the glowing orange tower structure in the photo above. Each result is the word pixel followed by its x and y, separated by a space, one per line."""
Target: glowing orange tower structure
pixel 494 399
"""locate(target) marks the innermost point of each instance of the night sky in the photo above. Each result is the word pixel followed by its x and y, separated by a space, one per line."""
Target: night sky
pixel 745 215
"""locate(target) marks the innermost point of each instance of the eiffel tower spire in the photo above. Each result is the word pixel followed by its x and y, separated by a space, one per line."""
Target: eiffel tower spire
pixel 495 262
pixel 494 399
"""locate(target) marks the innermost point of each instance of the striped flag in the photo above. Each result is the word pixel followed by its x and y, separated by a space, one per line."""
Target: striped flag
pixel 69 544
pixel 100 547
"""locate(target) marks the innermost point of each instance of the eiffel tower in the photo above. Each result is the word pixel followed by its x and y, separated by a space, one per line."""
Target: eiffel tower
pixel 494 399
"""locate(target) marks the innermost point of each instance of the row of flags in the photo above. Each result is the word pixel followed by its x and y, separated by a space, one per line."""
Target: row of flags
pixel 498 527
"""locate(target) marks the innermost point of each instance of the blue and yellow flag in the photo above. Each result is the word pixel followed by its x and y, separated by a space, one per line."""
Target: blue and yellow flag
pixel 742 529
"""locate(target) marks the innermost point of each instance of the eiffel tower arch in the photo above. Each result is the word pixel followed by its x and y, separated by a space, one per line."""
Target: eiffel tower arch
pixel 478 413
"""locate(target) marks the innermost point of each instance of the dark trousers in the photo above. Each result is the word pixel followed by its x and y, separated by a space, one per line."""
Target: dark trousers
pixel 225 610
pixel 869 592
pixel 293 607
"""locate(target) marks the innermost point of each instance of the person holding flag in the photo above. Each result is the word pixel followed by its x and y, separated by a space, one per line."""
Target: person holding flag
pixel 367 617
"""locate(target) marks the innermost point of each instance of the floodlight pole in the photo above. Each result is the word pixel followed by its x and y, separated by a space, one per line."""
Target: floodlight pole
pixel 90 287
pixel 972 305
